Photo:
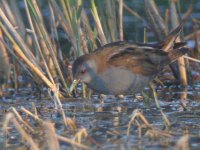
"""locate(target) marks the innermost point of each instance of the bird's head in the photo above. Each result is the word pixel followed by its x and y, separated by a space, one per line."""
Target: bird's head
pixel 84 68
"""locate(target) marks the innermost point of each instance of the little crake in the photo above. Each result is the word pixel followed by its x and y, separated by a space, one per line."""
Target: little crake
pixel 124 67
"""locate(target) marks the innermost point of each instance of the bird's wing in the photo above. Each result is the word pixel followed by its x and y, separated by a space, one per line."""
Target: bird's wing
pixel 143 60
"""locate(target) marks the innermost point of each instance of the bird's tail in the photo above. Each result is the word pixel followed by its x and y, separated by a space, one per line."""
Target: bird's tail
pixel 169 42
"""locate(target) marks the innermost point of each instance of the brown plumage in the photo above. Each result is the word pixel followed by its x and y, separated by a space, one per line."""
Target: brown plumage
pixel 124 67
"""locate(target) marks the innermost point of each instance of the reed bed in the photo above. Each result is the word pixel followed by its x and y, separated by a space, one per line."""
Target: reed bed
pixel 33 40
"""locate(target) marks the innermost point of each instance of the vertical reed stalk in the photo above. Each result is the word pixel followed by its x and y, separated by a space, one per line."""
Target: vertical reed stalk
pixel 4 60
pixel 98 23
pixel 181 61
pixel 121 20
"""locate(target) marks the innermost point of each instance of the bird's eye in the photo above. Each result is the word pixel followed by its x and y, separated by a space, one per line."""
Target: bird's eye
pixel 83 71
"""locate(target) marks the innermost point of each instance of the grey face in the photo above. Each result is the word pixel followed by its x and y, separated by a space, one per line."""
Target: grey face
pixel 85 70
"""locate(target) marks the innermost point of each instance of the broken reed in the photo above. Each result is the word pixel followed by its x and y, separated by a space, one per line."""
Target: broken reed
pixel 36 46
pixel 39 130
pixel 38 133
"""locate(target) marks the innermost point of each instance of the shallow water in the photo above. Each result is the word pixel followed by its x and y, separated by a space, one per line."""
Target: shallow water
pixel 106 120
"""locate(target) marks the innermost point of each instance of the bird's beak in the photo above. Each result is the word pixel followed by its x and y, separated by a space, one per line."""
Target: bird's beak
pixel 73 85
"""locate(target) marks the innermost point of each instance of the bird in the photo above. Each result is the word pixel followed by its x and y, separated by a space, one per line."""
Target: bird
pixel 124 67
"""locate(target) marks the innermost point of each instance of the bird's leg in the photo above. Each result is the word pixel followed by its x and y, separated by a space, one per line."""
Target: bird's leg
pixel 145 97
pixel 165 119
pixel 154 94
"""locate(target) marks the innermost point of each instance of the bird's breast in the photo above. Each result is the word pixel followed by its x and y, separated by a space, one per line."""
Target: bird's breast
pixel 115 80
